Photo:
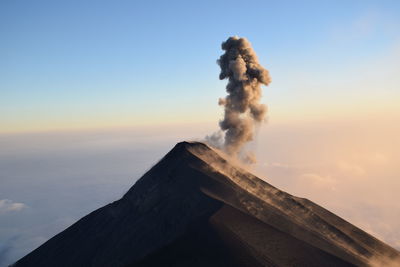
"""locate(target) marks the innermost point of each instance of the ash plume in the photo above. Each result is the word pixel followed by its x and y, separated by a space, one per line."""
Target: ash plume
pixel 242 107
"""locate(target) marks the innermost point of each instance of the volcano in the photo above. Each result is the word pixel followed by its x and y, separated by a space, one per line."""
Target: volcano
pixel 195 208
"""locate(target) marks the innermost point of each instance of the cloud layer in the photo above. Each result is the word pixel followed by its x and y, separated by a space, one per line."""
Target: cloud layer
pixel 7 205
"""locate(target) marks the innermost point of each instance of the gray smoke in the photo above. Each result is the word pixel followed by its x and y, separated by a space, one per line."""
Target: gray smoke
pixel 243 110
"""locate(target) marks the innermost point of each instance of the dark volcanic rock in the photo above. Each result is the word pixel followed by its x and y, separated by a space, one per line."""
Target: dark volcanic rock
pixel 194 208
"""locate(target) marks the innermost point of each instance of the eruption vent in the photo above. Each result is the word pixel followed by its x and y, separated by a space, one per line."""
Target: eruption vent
pixel 243 110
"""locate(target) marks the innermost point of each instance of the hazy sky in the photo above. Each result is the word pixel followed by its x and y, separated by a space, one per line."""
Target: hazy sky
pixel 93 93
pixel 87 64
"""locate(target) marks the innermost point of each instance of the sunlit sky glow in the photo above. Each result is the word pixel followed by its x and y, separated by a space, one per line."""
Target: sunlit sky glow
pixel 90 64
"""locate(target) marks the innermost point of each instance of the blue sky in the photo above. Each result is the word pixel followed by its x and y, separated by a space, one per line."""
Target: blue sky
pixel 77 64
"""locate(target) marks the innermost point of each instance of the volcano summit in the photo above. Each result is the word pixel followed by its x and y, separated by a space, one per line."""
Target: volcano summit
pixel 195 208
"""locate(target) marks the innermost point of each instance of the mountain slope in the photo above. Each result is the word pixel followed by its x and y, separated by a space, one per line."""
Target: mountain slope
pixel 194 208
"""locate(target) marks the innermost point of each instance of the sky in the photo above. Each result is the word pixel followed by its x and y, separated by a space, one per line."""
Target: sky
pixel 98 64
pixel 93 93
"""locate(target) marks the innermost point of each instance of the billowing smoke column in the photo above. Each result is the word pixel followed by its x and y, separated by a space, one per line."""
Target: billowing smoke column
pixel 243 110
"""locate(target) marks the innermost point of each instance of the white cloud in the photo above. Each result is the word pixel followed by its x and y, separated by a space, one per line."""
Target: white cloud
pixel 318 181
pixel 7 205
pixel 351 168
pixel 278 165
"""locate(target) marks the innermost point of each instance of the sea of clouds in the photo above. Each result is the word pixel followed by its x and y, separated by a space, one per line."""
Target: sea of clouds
pixel 50 180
